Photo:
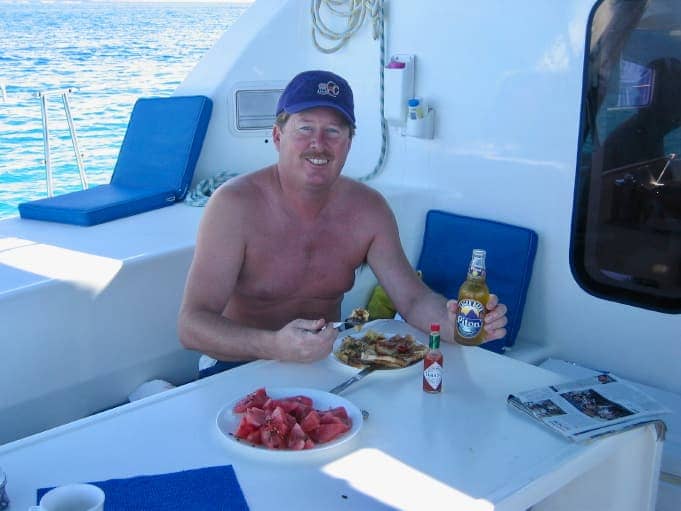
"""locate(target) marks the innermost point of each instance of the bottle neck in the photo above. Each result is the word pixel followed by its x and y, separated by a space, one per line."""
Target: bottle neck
pixel 434 341
pixel 476 270
pixel 477 276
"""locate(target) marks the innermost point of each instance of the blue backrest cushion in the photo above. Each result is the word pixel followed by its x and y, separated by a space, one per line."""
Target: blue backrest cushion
pixel 162 143
pixel 448 242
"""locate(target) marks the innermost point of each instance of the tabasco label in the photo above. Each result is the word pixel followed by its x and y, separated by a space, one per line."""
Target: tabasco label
pixel 432 376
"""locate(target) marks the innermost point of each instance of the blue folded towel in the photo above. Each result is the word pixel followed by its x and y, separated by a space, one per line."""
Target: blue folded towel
pixel 203 489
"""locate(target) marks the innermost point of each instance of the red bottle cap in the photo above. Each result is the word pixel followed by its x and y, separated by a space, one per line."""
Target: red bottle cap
pixel 434 327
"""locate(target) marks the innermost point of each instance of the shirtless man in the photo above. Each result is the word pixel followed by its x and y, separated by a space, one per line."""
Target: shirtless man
pixel 278 248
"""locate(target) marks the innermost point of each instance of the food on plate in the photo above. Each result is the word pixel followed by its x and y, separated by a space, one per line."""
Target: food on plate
pixel 375 348
pixel 288 423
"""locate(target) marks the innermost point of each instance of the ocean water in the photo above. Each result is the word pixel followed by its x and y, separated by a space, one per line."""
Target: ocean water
pixel 110 54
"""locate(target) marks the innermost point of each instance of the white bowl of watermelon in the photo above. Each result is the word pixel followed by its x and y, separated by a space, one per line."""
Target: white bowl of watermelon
pixel 289 420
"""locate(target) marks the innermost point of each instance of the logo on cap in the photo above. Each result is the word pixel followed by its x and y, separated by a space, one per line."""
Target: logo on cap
pixel 328 89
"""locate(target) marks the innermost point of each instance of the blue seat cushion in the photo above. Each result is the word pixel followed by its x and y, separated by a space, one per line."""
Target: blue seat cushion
pixel 154 168
pixel 448 242
pixel 96 205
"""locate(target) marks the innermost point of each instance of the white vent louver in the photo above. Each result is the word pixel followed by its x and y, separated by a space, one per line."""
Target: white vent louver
pixel 254 109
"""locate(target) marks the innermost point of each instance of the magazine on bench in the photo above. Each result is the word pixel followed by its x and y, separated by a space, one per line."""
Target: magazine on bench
pixel 588 407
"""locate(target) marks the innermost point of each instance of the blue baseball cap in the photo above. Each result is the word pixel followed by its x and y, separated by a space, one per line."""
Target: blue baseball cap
pixel 312 89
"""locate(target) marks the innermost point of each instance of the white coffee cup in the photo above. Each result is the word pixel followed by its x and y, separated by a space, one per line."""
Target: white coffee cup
pixel 72 497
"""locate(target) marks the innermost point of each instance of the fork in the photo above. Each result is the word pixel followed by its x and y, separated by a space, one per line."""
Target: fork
pixel 344 325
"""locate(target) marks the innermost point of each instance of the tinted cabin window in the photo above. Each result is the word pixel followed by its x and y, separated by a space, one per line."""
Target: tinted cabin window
pixel 626 234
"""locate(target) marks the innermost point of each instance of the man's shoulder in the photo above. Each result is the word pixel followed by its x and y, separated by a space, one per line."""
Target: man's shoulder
pixel 243 187
pixel 359 199
pixel 361 190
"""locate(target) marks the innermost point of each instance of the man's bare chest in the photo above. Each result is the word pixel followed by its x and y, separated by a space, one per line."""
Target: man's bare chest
pixel 280 263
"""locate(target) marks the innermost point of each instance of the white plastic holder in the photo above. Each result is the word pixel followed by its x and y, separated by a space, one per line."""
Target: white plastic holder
pixel 398 87
pixel 423 127
pixel 149 388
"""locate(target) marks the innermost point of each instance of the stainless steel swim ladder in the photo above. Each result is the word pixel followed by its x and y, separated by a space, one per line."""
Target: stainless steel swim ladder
pixel 64 93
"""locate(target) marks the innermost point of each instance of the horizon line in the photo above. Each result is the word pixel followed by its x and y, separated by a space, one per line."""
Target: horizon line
pixel 127 1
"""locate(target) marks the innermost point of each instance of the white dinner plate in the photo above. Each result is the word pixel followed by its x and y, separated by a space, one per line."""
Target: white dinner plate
pixel 228 421
pixel 388 370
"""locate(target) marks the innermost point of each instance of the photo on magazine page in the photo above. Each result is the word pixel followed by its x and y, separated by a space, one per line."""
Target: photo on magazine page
pixel 593 404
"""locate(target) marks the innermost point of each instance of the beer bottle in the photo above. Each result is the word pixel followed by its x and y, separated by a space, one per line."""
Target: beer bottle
pixel 473 296
pixel 433 362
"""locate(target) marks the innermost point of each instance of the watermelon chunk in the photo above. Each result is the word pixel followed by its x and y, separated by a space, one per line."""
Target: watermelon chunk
pixel 257 399
pixel 255 416
pixel 244 429
pixel 303 400
pixel 327 432
pixel 271 435
pixel 297 438
pixel 329 418
pixel 255 437
pixel 283 420
pixel 310 422
pixel 341 413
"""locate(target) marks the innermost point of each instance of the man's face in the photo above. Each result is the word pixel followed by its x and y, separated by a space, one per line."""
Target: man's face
pixel 313 146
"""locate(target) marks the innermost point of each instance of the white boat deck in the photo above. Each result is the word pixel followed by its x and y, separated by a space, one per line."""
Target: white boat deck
pixel 34 252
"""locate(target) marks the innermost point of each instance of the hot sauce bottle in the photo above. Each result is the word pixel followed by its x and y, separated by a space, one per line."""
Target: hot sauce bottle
pixel 433 362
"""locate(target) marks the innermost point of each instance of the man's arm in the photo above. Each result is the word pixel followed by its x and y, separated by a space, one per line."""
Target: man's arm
pixel 212 277
pixel 418 304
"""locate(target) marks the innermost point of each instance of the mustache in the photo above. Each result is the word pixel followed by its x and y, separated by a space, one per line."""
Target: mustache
pixel 317 155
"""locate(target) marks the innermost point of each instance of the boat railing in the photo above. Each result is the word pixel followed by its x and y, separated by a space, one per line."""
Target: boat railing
pixel 44 95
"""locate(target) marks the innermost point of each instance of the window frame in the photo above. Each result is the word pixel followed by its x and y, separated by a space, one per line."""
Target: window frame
pixel 587 203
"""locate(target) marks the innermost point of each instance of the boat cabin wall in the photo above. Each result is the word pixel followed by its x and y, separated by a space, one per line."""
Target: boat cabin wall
pixel 504 81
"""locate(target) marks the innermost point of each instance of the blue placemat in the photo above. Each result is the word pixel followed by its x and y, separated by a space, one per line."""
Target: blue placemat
pixel 203 489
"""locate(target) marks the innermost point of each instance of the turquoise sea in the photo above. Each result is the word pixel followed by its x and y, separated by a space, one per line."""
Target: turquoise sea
pixel 110 54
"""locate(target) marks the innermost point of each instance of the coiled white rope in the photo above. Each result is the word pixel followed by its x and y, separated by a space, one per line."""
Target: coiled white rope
pixel 355 12
pixel 199 195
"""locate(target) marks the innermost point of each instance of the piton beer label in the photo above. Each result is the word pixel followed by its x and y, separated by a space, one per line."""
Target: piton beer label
pixel 470 317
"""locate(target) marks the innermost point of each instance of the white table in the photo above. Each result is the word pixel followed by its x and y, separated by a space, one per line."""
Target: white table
pixel 462 450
